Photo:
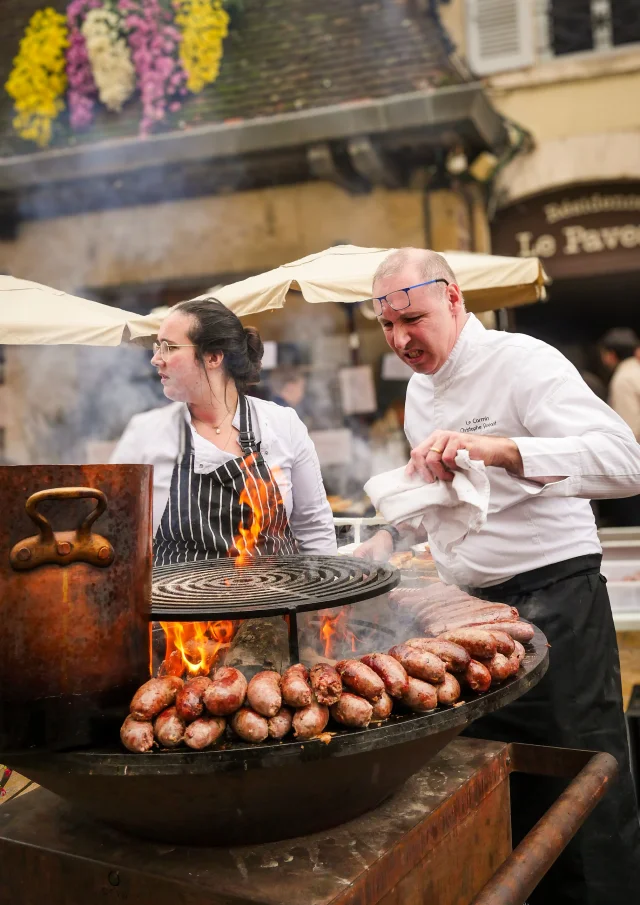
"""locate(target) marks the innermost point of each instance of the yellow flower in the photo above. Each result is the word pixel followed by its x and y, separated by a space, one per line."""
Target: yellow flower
pixel 38 78
pixel 204 25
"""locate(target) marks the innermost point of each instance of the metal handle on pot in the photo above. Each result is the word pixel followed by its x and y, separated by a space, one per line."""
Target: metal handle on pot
pixel 63 547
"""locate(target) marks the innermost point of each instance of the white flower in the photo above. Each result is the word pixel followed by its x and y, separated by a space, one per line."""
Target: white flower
pixel 113 70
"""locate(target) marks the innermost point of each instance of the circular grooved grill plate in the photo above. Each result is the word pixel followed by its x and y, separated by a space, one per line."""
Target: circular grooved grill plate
pixel 265 586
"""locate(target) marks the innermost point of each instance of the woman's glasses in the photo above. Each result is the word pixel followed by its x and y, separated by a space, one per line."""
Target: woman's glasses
pixel 164 348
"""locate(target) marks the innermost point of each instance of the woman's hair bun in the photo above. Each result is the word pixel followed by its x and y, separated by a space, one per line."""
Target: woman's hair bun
pixel 217 329
pixel 255 346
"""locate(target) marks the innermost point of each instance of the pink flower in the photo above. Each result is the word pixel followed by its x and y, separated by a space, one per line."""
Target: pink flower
pixel 153 50
pixel 82 92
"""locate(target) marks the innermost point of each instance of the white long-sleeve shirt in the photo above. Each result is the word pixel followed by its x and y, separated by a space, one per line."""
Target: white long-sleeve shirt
pixel 154 437
pixel 511 385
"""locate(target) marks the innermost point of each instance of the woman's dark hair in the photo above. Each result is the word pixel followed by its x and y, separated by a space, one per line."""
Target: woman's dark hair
pixel 216 329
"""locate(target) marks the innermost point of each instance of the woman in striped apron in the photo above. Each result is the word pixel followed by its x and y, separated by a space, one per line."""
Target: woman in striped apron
pixel 233 475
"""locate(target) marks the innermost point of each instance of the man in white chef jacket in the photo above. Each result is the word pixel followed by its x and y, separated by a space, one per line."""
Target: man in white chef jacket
pixel 550 446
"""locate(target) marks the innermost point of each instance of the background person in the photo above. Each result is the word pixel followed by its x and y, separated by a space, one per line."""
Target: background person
pixel 550 445
pixel 620 354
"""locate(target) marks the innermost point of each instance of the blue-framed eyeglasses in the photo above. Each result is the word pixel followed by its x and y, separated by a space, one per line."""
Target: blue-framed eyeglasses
pixel 400 298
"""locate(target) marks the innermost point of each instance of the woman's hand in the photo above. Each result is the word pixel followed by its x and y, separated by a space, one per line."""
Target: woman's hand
pixel 435 457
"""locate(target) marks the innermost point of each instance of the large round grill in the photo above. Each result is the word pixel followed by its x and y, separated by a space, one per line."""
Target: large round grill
pixel 265 586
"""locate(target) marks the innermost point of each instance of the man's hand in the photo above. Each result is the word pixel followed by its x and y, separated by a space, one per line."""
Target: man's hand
pixel 435 457
pixel 378 548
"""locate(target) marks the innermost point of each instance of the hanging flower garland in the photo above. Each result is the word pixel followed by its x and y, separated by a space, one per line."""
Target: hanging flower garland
pixel 154 41
pixel 38 78
pixel 105 49
pixel 109 55
pixel 82 87
pixel 204 25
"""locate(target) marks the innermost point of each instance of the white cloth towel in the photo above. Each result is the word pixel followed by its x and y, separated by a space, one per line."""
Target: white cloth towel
pixel 449 510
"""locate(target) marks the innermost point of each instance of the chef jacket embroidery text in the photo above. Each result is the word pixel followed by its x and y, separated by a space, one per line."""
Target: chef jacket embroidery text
pixel 473 425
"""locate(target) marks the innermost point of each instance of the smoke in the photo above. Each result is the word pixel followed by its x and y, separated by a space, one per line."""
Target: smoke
pixel 71 395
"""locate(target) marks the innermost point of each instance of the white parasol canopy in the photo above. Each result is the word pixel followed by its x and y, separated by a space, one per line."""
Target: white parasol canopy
pixel 345 274
pixel 33 314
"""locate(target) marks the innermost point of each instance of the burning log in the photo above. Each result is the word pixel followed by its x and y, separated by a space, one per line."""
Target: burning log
pixel 260 644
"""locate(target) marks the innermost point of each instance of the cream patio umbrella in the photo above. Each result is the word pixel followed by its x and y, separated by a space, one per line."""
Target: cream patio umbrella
pixel 33 314
pixel 345 274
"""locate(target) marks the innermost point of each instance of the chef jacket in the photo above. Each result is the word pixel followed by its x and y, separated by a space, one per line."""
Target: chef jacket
pixel 154 438
pixel 512 385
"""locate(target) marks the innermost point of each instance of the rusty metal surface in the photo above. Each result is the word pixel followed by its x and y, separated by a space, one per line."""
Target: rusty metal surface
pixel 63 547
pixel 529 862
pixel 358 863
pixel 75 640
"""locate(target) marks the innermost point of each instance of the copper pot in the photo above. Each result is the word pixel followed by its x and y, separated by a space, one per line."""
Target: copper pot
pixel 75 590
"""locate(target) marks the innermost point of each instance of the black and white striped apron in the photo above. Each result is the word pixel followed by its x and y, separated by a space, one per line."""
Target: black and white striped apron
pixel 204 512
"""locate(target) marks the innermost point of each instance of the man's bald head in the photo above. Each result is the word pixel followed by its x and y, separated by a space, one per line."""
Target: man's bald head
pixel 421 324
pixel 426 264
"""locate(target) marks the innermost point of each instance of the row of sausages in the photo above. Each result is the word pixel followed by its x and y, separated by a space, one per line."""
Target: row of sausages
pixel 418 675
pixel 438 607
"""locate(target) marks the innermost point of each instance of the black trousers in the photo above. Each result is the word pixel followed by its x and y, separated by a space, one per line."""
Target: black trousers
pixel 578 704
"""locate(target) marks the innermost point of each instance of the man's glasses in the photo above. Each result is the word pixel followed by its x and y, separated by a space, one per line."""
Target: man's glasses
pixel 164 348
pixel 400 298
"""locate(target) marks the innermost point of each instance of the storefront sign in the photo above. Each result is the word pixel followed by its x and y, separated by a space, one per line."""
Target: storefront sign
pixel 579 232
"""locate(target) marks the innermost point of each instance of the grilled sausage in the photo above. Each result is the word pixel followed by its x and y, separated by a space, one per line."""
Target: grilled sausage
pixel 326 683
pixel 477 676
pixel 174 665
pixel 249 725
pixel 392 673
pixel 446 622
pixel 499 667
pixel 519 630
pixel 361 679
pixel 505 642
pixel 280 724
pixel 352 710
pixel 226 693
pixel 454 657
pixel 449 692
pixel 136 735
pixel 514 663
pixel 155 696
pixel 519 650
pixel 310 721
pixel 169 728
pixel 296 691
pixel 421 664
pixel 476 642
pixel 382 708
pixel 204 732
pixel 263 693
pixel 189 703
pixel 420 696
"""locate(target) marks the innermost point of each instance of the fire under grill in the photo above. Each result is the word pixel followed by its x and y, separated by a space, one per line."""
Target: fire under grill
pixel 263 587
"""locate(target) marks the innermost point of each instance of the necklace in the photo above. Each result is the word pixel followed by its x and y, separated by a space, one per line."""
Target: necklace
pixel 206 424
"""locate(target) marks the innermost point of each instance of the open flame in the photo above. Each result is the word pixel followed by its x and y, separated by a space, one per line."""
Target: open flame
pixel 262 505
pixel 335 630
pixel 195 647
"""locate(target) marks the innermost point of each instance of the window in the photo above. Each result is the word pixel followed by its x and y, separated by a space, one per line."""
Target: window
pixel 510 34
pixel 576 26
